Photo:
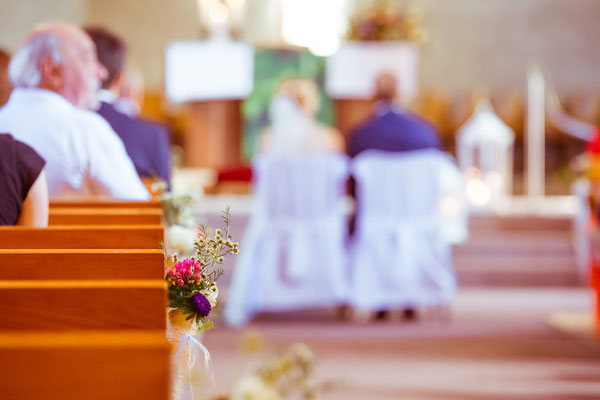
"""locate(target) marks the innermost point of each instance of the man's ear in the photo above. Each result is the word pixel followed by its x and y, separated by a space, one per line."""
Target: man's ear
pixel 52 75
pixel 119 82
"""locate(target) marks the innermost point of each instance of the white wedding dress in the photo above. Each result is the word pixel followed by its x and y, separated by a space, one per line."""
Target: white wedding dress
pixel 292 255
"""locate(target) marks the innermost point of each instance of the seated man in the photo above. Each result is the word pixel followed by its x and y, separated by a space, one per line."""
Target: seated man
pixel 56 76
pixel 391 128
pixel 146 143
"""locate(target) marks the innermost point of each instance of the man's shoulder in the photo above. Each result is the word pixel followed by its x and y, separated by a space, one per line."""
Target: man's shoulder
pixel 124 124
pixel 150 125
pixel 95 130
pixel 414 119
pixel 90 121
pixel 364 126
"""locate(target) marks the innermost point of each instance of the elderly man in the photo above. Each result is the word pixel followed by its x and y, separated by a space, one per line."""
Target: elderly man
pixel 56 76
pixel 146 143
pixel 391 127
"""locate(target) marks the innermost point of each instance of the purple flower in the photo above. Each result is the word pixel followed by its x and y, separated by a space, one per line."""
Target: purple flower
pixel 200 304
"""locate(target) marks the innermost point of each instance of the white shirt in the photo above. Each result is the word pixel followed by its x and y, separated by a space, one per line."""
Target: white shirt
pixel 84 156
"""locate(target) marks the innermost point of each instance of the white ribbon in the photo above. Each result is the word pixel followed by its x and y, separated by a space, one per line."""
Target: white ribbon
pixel 197 352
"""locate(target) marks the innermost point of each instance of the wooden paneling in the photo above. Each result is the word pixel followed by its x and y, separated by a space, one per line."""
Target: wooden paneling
pixel 213 134
pixel 351 112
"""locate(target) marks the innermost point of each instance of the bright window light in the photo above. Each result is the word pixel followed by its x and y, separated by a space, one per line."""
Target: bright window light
pixel 316 24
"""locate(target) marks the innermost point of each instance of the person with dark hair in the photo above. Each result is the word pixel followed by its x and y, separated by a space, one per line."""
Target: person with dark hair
pixel 391 127
pixel 5 86
pixel 23 188
pixel 147 143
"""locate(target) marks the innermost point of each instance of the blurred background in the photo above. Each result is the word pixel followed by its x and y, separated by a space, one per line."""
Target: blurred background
pixel 465 49
pixel 522 324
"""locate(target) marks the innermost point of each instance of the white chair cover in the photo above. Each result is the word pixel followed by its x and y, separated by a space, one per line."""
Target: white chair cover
pixel 411 207
pixel 292 254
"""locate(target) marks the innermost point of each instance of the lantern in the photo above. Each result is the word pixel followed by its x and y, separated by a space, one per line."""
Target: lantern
pixel 485 156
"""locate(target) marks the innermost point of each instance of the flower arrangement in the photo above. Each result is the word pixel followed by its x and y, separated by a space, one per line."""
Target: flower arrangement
pixel 177 207
pixel 192 281
pixel 384 23
pixel 289 375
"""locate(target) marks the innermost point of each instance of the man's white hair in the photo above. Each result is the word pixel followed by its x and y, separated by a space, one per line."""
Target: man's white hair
pixel 24 67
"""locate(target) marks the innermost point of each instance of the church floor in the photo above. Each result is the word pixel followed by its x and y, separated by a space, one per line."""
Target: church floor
pixel 495 343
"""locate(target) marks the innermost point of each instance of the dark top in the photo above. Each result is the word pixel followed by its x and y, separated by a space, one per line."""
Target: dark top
pixel 389 129
pixel 146 143
pixel 393 130
pixel 20 166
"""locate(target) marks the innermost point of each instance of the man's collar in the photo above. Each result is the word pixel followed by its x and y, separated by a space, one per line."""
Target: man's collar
pixel 106 96
pixel 27 94
pixel 384 107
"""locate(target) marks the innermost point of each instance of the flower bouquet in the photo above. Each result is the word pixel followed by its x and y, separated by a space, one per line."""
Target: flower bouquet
pixel 180 233
pixel 289 375
pixel 384 23
pixel 192 294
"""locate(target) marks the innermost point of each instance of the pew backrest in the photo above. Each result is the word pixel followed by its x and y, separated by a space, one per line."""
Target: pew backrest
pixel 105 204
pixel 84 365
pixel 104 216
pixel 80 264
pixel 30 305
pixel 82 237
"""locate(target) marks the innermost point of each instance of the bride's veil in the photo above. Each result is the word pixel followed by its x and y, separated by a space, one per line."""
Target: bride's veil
pixel 290 126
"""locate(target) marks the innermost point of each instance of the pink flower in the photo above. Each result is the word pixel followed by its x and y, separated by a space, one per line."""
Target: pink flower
pixel 184 271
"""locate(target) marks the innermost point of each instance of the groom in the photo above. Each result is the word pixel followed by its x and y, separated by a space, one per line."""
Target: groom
pixel 391 128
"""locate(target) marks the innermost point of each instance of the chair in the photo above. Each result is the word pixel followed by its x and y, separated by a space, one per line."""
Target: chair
pixel 410 209
pixel 292 254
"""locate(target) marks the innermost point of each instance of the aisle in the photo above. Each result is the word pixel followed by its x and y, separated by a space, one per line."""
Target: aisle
pixel 496 345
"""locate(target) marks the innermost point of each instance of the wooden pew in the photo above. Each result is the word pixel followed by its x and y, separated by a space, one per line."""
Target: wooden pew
pixel 80 264
pixel 125 365
pixel 104 216
pixel 82 237
pixel 105 204
pixel 82 305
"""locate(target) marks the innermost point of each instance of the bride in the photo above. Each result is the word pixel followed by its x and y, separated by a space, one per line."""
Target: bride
pixel 294 128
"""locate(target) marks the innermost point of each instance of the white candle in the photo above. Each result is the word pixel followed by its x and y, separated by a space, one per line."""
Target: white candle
pixel 535 134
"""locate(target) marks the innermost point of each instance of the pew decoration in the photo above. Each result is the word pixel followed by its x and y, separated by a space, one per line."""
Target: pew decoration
pixel 180 232
pixel 192 294
pixel 289 375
